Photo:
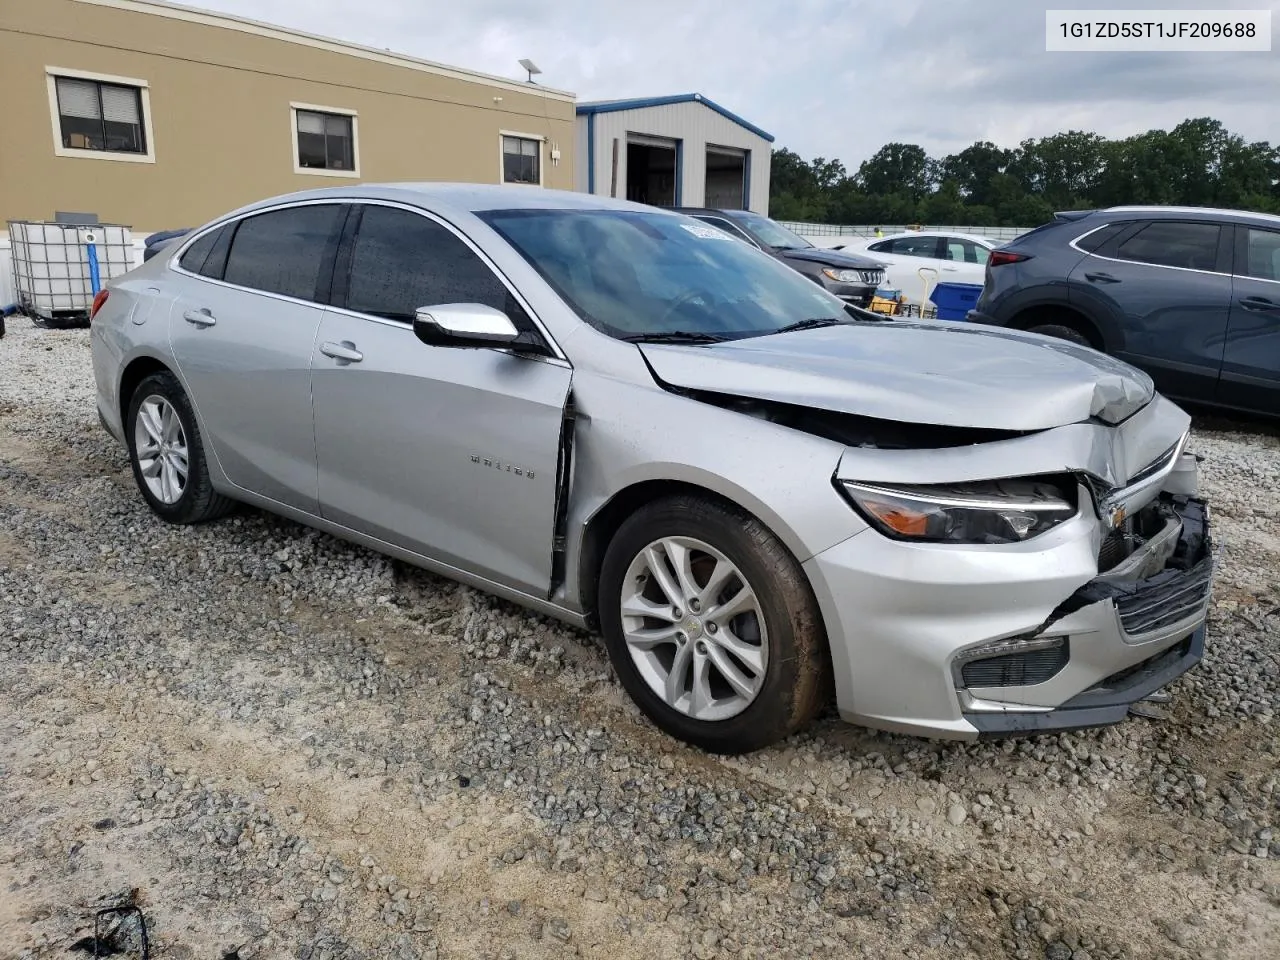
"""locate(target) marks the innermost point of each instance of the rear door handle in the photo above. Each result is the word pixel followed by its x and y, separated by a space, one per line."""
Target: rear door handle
pixel 201 317
pixel 344 352
pixel 1259 303
pixel 1100 278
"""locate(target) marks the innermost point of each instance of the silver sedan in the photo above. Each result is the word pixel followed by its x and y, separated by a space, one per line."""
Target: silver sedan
pixel 618 416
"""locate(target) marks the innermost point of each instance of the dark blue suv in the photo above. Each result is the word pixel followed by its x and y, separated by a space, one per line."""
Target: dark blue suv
pixel 1190 295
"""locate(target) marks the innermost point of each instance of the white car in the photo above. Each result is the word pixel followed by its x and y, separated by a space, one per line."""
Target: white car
pixel 956 258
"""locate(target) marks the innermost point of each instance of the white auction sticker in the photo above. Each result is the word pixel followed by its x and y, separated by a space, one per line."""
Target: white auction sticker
pixel 1164 31
pixel 706 233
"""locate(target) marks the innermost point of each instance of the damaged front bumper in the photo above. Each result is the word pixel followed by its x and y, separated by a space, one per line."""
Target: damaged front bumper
pixel 1065 631
pixel 1123 635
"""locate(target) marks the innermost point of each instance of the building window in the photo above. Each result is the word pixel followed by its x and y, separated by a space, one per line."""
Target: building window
pixel 324 141
pixel 99 116
pixel 521 159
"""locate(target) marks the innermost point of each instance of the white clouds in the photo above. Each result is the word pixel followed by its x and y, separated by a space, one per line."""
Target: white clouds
pixel 836 78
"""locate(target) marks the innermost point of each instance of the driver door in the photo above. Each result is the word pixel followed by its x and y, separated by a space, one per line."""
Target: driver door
pixel 449 452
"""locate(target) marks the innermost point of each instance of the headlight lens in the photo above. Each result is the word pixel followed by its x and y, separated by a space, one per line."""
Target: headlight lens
pixel 842 276
pixel 993 511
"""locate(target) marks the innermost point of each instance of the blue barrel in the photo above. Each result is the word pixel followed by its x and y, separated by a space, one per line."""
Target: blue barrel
pixel 954 300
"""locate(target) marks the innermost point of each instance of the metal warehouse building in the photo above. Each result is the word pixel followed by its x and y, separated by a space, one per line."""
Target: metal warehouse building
pixel 675 151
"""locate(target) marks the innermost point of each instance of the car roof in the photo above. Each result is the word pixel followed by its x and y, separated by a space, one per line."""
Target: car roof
pixel 976 237
pixel 716 210
pixel 1160 212
pixel 456 198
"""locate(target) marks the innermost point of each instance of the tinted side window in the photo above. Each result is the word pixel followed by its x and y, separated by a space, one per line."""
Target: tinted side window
pixel 881 247
pixel 915 246
pixel 1170 243
pixel 964 251
pixel 198 252
pixel 1094 241
pixel 1262 255
pixel 402 261
pixel 282 251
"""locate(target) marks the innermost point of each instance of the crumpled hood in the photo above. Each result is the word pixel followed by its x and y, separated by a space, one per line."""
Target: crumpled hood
pixel 833 258
pixel 944 374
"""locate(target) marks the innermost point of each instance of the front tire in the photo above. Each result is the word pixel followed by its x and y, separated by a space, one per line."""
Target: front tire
pixel 167 453
pixel 1062 332
pixel 711 626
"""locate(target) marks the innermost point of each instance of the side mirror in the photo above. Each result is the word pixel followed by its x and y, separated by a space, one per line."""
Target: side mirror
pixel 464 325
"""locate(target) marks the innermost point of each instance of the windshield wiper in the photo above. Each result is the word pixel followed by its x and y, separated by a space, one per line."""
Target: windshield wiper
pixel 675 336
pixel 810 324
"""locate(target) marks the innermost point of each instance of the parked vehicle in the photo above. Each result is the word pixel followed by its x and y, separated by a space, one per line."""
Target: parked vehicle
pixel 954 257
pixel 161 240
pixel 1188 294
pixel 851 277
pixel 621 418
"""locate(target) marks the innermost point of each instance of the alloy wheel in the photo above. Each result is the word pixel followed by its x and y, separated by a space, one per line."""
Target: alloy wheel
pixel 694 628
pixel 161 446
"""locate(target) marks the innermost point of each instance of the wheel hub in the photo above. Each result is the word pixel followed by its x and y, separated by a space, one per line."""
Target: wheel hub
pixel 694 628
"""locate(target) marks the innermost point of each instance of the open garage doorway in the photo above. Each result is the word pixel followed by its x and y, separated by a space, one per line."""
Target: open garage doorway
pixel 653 171
pixel 726 178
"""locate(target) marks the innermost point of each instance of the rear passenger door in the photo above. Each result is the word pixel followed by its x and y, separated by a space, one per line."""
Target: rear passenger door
pixel 1251 360
pixel 241 330
pixel 1161 291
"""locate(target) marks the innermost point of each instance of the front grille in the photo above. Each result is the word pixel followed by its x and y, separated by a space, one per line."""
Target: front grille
pixel 872 276
pixel 1116 546
pixel 1016 669
pixel 1166 599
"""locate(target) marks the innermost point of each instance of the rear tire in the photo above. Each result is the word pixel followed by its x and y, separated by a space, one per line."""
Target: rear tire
pixel 743 639
pixel 167 453
pixel 1061 332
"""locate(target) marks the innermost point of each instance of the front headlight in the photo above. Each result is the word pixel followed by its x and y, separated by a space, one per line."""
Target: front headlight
pixel 991 511
pixel 842 276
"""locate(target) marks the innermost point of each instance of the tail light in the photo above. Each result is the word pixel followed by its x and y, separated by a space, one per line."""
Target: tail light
pixel 999 258
pixel 99 299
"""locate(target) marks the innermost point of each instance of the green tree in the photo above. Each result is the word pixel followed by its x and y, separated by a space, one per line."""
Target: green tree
pixel 1197 163
pixel 897 168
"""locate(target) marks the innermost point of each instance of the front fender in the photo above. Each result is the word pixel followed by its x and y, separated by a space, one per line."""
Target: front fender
pixel 629 434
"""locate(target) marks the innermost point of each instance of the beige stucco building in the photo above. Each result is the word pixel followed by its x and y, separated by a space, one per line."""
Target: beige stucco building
pixel 161 116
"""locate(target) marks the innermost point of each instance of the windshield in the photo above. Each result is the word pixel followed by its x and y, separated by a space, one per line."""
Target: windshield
pixel 771 232
pixel 635 274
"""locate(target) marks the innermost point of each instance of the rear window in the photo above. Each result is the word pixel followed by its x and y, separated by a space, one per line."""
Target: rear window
pixel 208 255
pixel 283 251
pixel 198 252
pixel 1092 242
pixel 1173 243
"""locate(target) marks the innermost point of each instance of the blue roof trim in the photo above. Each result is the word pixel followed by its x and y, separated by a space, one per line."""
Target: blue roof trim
pixel 612 106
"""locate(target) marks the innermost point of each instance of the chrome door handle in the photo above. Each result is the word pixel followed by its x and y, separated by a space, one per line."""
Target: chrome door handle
pixel 344 352
pixel 201 317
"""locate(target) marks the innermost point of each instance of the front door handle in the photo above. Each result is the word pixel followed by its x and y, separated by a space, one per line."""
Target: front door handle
pixel 1100 278
pixel 201 317
pixel 344 352
pixel 1259 303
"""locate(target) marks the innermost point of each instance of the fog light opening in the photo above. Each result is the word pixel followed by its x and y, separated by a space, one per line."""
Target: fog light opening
pixel 1016 662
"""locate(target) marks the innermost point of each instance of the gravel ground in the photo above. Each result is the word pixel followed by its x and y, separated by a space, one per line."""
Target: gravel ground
pixel 283 745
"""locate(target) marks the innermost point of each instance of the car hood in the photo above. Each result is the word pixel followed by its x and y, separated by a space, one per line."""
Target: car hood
pixel 943 374
pixel 832 258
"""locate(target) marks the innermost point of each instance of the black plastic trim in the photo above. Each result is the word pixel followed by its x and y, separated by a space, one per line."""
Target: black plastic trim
pixel 1101 705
